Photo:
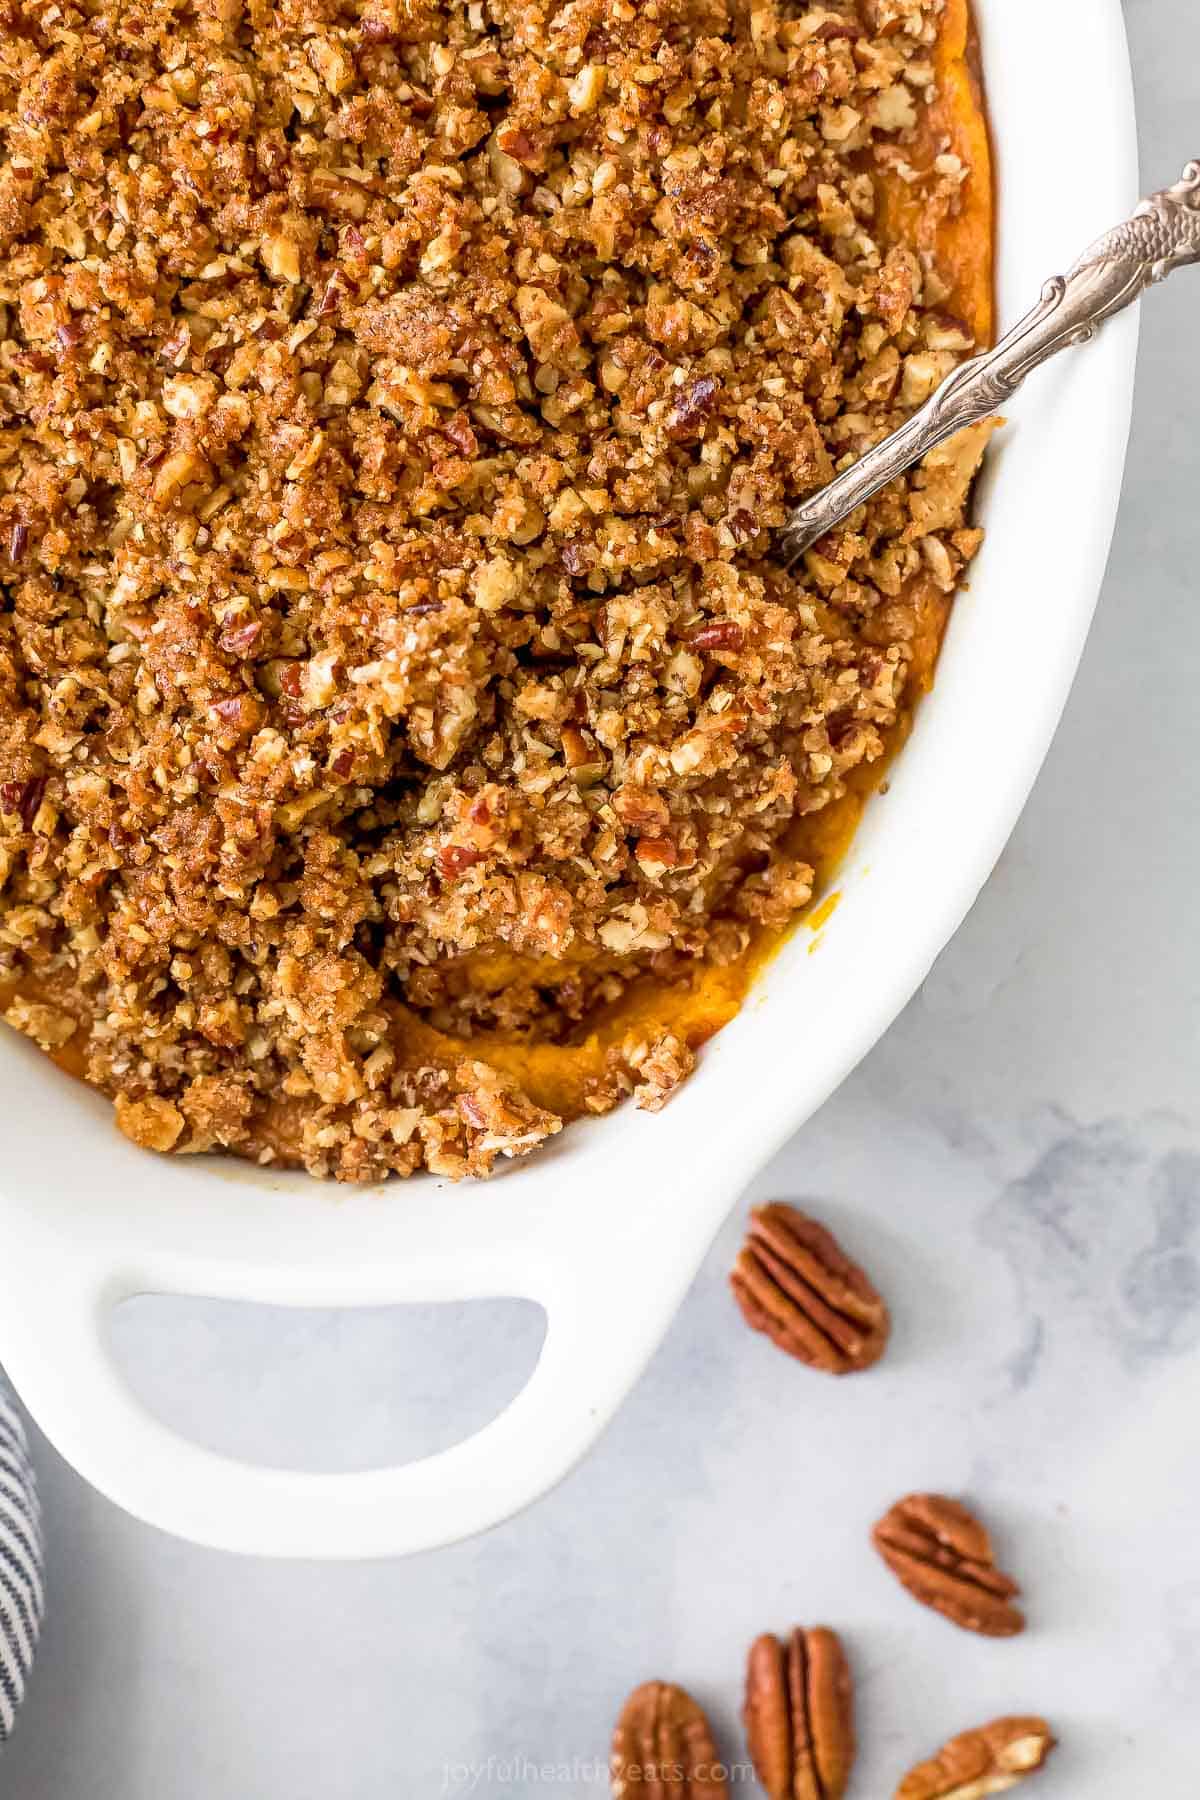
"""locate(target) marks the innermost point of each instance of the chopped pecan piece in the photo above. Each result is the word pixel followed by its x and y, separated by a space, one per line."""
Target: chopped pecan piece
pixel 831 29
pixel 793 1281
pixel 799 1715
pixel 716 634
pixel 641 808
pixel 657 854
pixel 581 756
pixel 663 1745
pixel 691 408
pixel 988 1760
pixel 23 798
pixel 454 860
pixel 239 640
pixel 943 1556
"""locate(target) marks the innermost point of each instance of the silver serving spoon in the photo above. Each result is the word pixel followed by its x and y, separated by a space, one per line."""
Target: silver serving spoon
pixel 1163 235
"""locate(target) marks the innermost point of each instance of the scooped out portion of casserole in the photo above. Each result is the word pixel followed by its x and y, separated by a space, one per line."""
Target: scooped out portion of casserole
pixel 408 741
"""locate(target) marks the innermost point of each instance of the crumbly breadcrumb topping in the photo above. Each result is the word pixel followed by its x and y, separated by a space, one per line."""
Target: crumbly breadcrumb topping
pixel 397 400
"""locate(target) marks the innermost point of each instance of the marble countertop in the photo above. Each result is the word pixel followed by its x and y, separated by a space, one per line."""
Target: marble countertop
pixel 1018 1163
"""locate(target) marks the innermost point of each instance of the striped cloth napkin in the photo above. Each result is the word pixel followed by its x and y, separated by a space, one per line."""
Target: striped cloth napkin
pixel 20 1561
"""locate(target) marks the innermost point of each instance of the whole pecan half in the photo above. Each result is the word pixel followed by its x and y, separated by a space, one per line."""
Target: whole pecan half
pixel 799 1715
pixel 989 1760
pixel 793 1281
pixel 663 1748
pixel 943 1556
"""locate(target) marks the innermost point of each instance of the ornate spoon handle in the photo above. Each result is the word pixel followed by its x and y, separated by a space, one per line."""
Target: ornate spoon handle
pixel 1163 235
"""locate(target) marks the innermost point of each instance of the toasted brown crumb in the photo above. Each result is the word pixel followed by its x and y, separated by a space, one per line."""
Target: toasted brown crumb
pixel 152 1124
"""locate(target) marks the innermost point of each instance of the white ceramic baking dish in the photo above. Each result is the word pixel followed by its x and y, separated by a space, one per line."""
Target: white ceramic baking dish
pixel 607 1226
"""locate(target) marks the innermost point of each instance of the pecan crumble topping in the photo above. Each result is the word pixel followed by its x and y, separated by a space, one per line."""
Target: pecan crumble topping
pixel 404 728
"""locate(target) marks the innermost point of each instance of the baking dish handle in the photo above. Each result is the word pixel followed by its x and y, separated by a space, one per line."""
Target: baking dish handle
pixel 80 1399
